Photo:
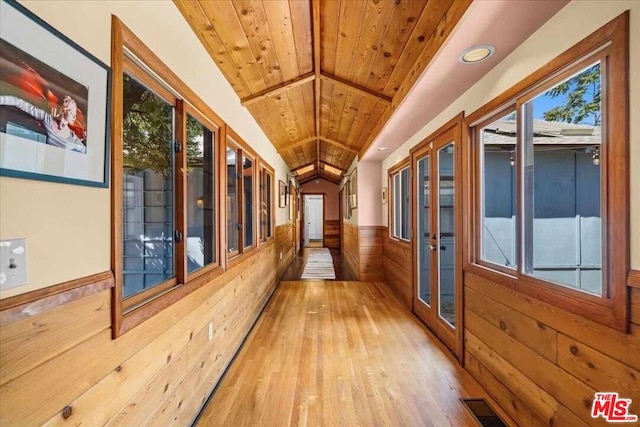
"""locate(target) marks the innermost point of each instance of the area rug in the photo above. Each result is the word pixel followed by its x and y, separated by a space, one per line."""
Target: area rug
pixel 319 265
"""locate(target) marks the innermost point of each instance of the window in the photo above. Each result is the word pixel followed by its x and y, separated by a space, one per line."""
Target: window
pixel 201 195
pixel 400 207
pixel 165 208
pixel 553 181
pixel 266 203
pixel 148 191
pixel 232 200
pixel 241 197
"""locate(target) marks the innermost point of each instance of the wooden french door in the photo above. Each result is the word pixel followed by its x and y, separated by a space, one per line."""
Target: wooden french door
pixel 436 202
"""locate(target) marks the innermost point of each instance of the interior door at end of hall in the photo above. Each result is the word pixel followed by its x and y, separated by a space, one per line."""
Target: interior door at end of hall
pixel 434 190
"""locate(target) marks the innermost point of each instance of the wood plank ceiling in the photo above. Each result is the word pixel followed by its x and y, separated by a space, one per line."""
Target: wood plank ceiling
pixel 322 77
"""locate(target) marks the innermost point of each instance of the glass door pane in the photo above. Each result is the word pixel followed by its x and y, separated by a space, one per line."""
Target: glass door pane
pixel 424 231
pixel 446 240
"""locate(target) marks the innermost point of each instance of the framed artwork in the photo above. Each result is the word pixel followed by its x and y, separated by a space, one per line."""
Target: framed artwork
pixel 281 194
pixel 286 194
pixel 54 104
pixel 354 189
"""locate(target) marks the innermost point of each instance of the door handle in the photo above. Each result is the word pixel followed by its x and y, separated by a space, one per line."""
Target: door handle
pixel 433 247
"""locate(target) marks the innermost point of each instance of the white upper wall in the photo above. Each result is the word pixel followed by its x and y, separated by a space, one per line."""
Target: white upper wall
pixel 572 24
pixel 68 227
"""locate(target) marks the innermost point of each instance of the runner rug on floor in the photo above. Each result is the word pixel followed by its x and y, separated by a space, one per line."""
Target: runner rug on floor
pixel 319 265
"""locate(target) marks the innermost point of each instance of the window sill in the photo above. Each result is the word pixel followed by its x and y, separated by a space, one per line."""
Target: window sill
pixel 156 304
pixel 592 307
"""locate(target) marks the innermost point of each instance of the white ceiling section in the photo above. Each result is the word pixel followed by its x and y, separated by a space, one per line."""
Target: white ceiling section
pixel 504 24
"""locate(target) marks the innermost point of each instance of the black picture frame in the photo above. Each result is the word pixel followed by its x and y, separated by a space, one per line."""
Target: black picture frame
pixel 87 163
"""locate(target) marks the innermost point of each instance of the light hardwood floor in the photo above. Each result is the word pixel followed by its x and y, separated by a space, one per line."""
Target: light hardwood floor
pixel 341 354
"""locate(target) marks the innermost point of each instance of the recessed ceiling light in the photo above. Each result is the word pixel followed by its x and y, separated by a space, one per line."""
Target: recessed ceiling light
pixel 382 148
pixel 477 53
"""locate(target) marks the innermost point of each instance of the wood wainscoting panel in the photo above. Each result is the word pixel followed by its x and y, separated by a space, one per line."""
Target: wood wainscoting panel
pixel 160 372
pixel 350 248
pixel 635 306
pixel 552 360
pixel 370 253
pixel 397 263
pixel 332 234
pixel 285 247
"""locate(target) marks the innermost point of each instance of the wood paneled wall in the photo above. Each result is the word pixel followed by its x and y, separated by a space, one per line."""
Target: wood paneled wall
pixel 350 248
pixel 285 247
pixel 59 365
pixel 541 363
pixel 363 251
pixel 332 234
pixel 397 267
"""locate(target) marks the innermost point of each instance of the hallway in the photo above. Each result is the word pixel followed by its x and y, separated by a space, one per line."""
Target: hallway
pixel 341 354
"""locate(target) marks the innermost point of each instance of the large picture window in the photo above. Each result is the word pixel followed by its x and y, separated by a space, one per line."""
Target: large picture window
pixel 400 207
pixel 165 179
pixel 552 176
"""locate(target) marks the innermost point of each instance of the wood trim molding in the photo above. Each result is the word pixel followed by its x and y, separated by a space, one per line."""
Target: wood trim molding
pixel 278 89
pixel 633 279
pixel 60 292
pixel 298 144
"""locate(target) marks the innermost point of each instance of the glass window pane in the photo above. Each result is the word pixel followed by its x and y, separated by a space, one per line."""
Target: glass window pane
pixel 263 205
pixel 201 238
pixel 269 205
pixel 247 173
pixel 404 177
pixel 446 241
pixel 562 183
pixel 232 200
pixel 498 154
pixel 397 206
pixel 148 181
pixel 423 191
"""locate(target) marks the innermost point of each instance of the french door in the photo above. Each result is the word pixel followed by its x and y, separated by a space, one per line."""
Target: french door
pixel 436 223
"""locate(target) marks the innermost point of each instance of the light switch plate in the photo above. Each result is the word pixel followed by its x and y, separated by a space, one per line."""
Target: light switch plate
pixel 13 263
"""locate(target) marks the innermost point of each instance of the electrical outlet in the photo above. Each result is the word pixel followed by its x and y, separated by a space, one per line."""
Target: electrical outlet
pixel 210 331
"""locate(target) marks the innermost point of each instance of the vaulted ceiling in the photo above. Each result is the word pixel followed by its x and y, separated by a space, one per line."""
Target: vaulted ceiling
pixel 322 77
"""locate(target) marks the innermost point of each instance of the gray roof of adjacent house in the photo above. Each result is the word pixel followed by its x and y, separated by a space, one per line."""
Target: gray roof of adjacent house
pixel 503 132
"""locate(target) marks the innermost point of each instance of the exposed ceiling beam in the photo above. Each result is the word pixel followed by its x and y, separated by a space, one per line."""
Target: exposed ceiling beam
pixel 338 144
pixel 278 89
pixel 297 144
pixel 363 91
pixel 308 177
pixel 315 11
pixel 330 177
pixel 333 166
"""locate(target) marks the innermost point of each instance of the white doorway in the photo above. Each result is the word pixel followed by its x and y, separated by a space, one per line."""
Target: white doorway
pixel 313 219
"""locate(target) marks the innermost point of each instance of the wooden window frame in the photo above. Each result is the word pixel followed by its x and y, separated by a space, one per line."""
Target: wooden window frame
pixel 394 170
pixel 264 171
pixel 215 129
pixel 243 150
pixel 612 308
pixel 129 54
